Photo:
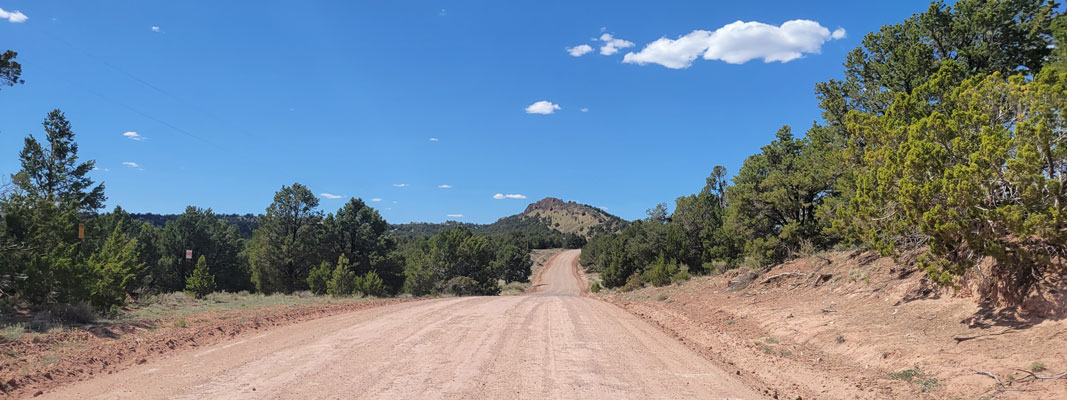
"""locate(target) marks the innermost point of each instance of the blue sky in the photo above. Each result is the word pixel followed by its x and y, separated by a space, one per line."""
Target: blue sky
pixel 391 100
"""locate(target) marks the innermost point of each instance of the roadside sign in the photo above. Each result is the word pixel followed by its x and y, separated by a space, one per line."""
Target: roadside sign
pixel 188 254
pixel 81 231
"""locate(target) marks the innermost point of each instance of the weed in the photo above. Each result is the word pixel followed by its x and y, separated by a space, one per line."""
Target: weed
pixel 594 287
pixel 731 322
pixel 785 352
pixel 181 323
pixel 771 340
pixel 857 274
pixel 1038 366
pixel 11 353
pixel 917 376
pixel 50 359
pixel 13 332
pixel 662 296
pixel 840 339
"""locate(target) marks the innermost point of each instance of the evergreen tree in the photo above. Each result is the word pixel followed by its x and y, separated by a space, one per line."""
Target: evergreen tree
pixel 286 245
pixel 113 270
pixel 343 281
pixel 53 172
pixel 201 282
pixel 10 70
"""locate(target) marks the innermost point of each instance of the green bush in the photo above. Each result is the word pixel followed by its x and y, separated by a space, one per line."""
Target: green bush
pixel 594 287
pixel 319 277
pixel 201 282
pixel 634 282
pixel 371 285
pixel 343 281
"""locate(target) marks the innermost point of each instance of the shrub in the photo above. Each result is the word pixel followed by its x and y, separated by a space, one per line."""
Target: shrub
pixel 1038 366
pixel 201 282
pixel 371 285
pixel 594 287
pixel 459 286
pixel 634 282
pixel 661 271
pixel 343 282
pixel 319 277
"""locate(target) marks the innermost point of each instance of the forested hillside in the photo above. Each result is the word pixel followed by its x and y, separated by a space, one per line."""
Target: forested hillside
pixel 944 140
pixel 547 223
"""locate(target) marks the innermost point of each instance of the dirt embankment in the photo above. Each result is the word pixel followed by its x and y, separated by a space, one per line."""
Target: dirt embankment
pixel 853 325
pixel 32 366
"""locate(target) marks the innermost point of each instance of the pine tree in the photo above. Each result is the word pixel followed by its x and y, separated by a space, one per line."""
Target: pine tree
pixel 201 283
pixel 113 270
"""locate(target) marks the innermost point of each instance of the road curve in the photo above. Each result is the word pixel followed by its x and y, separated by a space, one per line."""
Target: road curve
pixel 553 343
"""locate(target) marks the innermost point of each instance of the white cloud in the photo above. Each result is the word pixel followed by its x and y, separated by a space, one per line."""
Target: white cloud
pixel 445 186
pixel 134 136
pixel 155 29
pixel 131 164
pixel 738 43
pixel 501 196
pixel 443 13
pixel 100 169
pixel 585 109
pixel 376 199
pixel 612 45
pixel 543 107
pixel 455 215
pixel 13 16
pixel 580 50
pixel 330 195
pixel 400 185
pixel 602 208
pixel 433 139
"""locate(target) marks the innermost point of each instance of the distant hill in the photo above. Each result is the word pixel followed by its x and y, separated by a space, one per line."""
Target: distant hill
pixel 550 222
pixel 571 217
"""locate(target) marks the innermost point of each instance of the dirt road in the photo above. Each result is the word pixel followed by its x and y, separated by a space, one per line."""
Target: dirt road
pixel 550 344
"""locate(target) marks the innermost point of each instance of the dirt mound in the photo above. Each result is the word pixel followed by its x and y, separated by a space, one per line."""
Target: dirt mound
pixel 29 367
pixel 854 325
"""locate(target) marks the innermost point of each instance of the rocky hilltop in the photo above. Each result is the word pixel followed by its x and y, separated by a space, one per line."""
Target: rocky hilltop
pixel 573 217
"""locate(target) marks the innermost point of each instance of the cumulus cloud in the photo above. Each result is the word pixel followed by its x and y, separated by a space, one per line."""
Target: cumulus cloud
pixel 579 50
pixel 585 109
pixel 455 215
pixel 612 44
pixel 134 136
pixel 501 196
pixel 738 43
pixel 13 16
pixel 400 185
pixel 543 107
pixel 330 195
pixel 433 139
pixel 445 186
pixel 155 29
pixel 376 199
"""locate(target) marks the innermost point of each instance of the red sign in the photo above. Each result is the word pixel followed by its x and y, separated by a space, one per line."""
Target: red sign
pixel 188 254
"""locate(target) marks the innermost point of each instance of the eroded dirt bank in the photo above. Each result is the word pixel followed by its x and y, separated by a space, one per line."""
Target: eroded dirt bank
pixel 852 325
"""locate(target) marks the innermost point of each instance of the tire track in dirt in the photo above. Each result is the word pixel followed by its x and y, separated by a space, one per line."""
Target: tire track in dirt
pixel 553 343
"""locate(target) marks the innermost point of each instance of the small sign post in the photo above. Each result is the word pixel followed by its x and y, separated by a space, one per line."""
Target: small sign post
pixel 81 231
pixel 188 254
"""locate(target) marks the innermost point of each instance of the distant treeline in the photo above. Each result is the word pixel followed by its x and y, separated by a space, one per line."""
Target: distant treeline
pixel 55 248
pixel 945 139
pixel 245 223
pixel 531 232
